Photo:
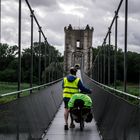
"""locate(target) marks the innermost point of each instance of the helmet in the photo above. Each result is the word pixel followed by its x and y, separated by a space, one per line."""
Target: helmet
pixel 73 70
pixel 77 66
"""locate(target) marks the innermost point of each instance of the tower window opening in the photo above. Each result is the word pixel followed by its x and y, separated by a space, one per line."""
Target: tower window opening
pixel 78 44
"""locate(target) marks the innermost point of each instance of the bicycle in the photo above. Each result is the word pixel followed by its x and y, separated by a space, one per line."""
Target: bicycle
pixel 80 113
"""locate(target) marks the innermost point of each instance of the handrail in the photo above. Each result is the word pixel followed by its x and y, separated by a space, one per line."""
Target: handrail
pixel 28 89
pixel 113 89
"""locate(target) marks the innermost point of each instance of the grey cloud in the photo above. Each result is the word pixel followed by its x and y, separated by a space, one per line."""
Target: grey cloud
pixel 134 6
pixel 133 39
pixel 9 9
pixel 96 13
pixel 44 3
pixel 37 3
pixel 78 2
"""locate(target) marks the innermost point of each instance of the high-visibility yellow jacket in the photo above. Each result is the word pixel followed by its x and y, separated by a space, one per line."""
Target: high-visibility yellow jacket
pixel 87 100
pixel 70 87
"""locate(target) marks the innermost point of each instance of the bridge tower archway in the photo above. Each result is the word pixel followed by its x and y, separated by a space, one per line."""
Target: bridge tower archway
pixel 78 58
pixel 78 48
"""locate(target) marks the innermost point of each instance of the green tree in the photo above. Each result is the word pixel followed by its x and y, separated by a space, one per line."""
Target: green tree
pixel 133 63
pixel 7 55
pixel 53 56
pixel 8 63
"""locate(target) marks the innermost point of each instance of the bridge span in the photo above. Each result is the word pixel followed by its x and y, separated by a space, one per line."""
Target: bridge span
pixel 56 129
pixel 35 117
pixel 29 118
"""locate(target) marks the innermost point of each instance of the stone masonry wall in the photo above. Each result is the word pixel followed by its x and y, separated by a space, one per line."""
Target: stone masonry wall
pixel 78 48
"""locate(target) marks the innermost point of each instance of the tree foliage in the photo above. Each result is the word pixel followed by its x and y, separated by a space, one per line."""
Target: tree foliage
pixel 133 63
pixel 54 63
pixel 9 62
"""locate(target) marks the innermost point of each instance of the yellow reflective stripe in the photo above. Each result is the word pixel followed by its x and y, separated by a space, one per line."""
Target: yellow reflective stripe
pixel 70 90
pixel 67 95
pixel 71 87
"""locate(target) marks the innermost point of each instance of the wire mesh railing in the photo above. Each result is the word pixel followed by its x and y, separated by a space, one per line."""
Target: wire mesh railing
pixel 36 65
pixel 111 65
pixel 111 111
pixel 29 89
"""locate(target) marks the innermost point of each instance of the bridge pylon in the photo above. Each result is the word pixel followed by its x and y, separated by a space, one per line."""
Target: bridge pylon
pixel 78 48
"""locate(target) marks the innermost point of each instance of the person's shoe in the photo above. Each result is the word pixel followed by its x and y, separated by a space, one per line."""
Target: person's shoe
pixel 66 127
pixel 72 125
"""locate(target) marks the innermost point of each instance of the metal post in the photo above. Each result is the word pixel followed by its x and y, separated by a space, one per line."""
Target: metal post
pixel 139 87
pixel 52 67
pixel 125 46
pixel 102 65
pixel 56 65
pixel 31 73
pixel 139 95
pixel 0 22
pixel 19 49
pixel 92 70
pixel 55 72
pixel 49 62
pixel 139 104
pixel 56 68
pixel 95 69
pixel 109 42
pixel 45 61
pixel 98 68
pixel 115 59
pixel 104 61
pixel 39 65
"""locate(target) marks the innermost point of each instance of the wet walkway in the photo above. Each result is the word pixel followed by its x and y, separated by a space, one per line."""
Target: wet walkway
pixel 56 130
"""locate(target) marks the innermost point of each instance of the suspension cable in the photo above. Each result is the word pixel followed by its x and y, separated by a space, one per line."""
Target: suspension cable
pixel 113 20
pixel 35 19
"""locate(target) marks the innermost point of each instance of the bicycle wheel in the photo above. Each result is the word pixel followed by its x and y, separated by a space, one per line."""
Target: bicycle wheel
pixel 81 124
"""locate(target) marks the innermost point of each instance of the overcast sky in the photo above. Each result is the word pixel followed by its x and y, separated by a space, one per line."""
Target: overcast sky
pixel 54 15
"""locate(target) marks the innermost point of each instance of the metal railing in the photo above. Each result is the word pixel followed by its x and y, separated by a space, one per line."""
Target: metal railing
pixel 29 89
pixel 100 59
pixel 0 21
pixel 105 64
pixel 41 60
pixel 33 17
pixel 114 90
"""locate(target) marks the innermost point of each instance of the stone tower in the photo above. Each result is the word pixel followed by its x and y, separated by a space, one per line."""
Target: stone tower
pixel 78 48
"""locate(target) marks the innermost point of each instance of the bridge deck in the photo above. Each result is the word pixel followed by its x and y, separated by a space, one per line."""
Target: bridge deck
pixel 56 130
